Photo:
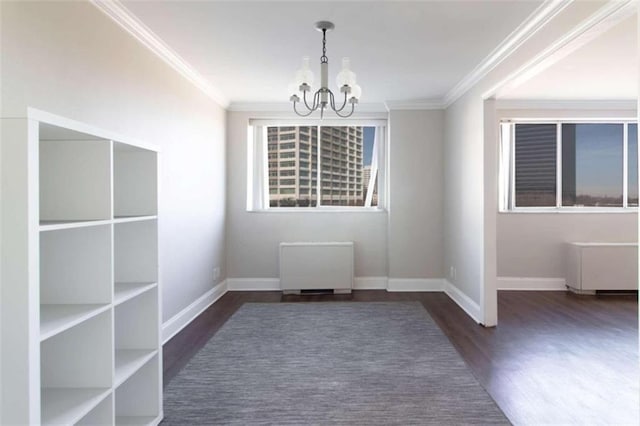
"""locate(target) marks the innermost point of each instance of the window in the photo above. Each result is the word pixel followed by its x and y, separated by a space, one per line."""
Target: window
pixel 568 165
pixel 632 155
pixel 319 166
pixel 535 171
pixel 592 164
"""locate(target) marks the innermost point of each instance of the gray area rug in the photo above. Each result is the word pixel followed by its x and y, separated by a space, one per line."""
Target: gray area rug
pixel 328 363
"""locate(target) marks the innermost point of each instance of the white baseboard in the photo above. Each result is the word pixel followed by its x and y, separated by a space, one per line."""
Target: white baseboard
pixel 173 325
pixel 415 284
pixel 273 284
pixel 370 283
pixel 532 283
pixel 253 284
pixel 465 302
pixel 359 283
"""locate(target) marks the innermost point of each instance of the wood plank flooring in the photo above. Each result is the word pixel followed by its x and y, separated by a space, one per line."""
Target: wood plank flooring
pixel 555 357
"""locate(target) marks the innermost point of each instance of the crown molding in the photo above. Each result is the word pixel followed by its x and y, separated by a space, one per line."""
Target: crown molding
pixel 567 104
pixel 538 19
pixel 605 18
pixel 425 104
pixel 286 107
pixel 130 23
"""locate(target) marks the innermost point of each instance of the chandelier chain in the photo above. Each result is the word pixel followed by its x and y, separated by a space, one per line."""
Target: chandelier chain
pixel 323 58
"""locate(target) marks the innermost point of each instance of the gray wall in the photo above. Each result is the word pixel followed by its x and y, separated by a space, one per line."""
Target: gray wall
pixel 471 159
pixel 69 59
pixel 404 243
pixel 416 178
pixel 532 244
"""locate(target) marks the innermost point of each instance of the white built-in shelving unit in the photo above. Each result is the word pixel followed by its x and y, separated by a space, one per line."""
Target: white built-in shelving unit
pixel 91 308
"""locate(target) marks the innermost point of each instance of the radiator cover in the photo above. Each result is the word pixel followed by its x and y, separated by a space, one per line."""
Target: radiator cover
pixel 316 266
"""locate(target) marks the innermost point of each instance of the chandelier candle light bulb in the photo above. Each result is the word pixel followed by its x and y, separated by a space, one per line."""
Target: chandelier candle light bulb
pixel 324 97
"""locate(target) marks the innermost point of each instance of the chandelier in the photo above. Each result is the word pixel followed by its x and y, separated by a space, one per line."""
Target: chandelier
pixel 323 98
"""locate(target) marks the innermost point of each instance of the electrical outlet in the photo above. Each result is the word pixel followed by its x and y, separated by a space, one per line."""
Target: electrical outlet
pixel 216 273
pixel 452 272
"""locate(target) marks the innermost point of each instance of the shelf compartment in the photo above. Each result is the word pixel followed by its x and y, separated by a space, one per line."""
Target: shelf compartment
pixel 136 322
pixel 75 266
pixel 126 291
pixel 68 406
pixel 80 357
pixel 138 399
pixel 129 361
pixel 136 251
pixel 76 370
pixel 55 319
pixel 134 181
pixel 75 176
pixel 101 414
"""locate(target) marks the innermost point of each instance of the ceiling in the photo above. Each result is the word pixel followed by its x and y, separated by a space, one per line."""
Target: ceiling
pixel 606 68
pixel 400 50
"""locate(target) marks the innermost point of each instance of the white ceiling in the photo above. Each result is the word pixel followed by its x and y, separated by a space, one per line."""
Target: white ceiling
pixel 606 68
pixel 400 50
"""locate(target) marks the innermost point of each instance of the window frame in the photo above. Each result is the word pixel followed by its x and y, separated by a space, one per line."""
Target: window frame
pixel 507 184
pixel 257 165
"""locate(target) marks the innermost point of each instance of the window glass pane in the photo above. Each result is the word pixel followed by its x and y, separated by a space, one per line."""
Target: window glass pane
pixel 284 149
pixel 592 164
pixel 346 156
pixel 535 165
pixel 633 165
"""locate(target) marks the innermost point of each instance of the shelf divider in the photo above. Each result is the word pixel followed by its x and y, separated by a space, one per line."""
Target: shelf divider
pixel 55 225
pixel 124 291
pixel 55 319
pixel 125 219
pixel 137 420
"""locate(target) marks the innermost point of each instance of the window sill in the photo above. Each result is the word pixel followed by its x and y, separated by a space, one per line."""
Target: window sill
pixel 569 210
pixel 314 210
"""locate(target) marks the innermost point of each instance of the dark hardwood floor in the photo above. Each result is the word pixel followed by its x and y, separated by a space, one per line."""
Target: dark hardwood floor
pixel 555 357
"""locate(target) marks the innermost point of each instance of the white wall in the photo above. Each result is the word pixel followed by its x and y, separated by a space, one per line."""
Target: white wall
pixel 404 243
pixel 464 196
pixel 471 169
pixel 70 59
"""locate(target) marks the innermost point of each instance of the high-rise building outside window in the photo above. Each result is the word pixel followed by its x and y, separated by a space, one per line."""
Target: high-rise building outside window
pixel 568 165
pixel 316 166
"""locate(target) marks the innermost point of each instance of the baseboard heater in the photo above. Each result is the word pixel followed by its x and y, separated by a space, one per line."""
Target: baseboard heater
pixel 314 266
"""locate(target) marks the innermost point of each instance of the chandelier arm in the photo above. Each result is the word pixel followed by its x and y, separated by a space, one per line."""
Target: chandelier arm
pixel 304 98
pixel 315 101
pixel 344 104
pixel 301 114
pixel 314 104
pixel 353 105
